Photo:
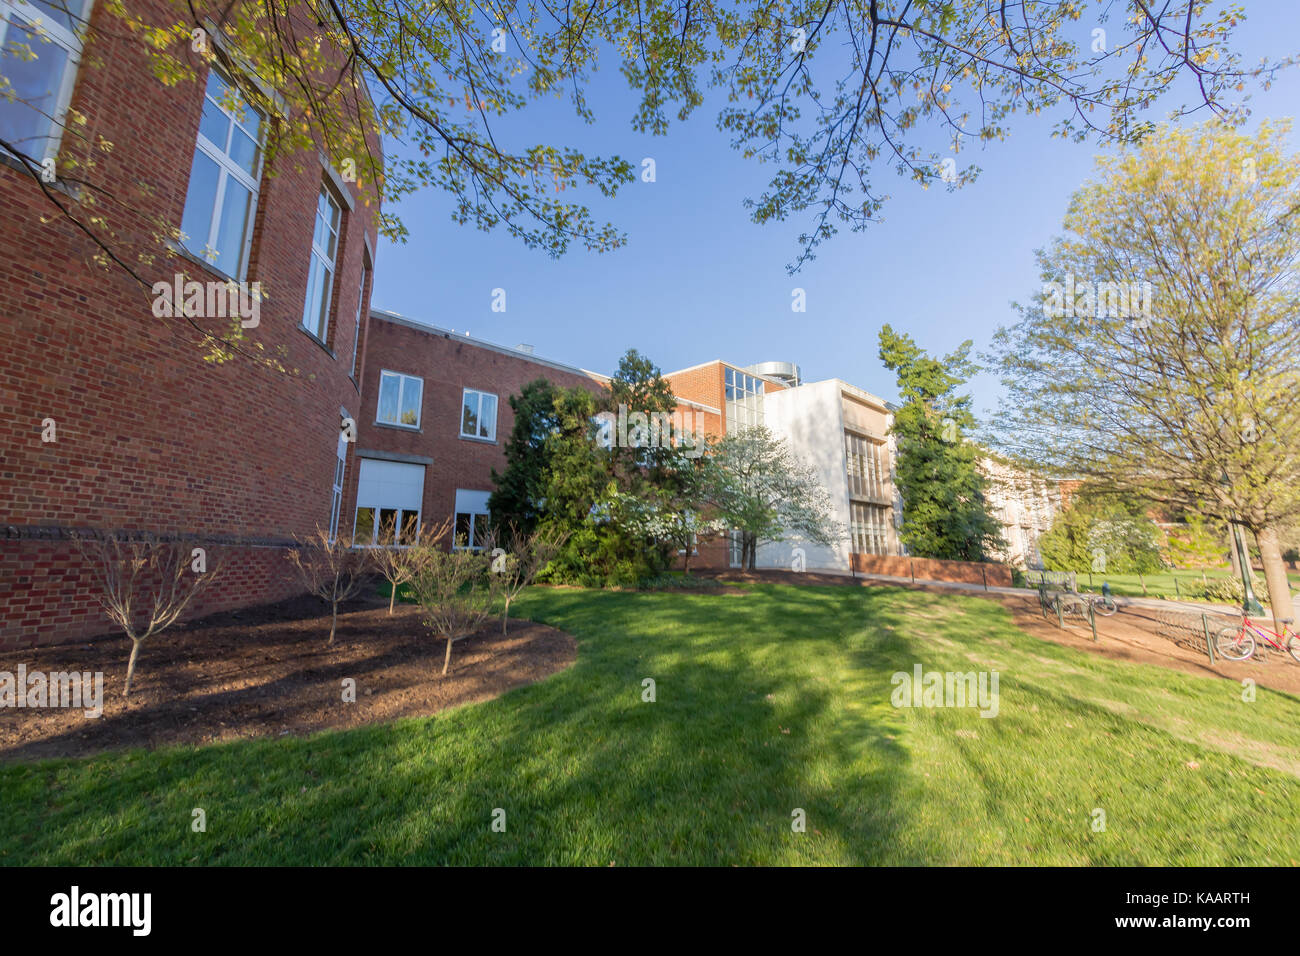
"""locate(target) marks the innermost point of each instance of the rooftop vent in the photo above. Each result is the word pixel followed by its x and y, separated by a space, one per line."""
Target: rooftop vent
pixel 525 348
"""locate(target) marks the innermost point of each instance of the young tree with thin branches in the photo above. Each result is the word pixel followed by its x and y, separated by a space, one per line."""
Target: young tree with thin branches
pixel 516 558
pixel 456 592
pixel 145 584
pixel 332 569
pixel 398 560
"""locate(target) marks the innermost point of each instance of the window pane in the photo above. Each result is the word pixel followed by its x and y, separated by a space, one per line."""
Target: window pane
pixel 233 228
pixel 411 390
pixel 27 122
pixel 199 203
pixel 57 10
pixel 365 525
pixel 463 526
pixel 469 415
pixel 389 387
pixel 487 423
pixel 243 150
pixel 214 124
pixel 387 524
pixel 410 527
pixel 323 283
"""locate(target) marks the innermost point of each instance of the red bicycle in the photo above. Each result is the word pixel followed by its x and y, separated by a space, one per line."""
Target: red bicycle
pixel 1237 642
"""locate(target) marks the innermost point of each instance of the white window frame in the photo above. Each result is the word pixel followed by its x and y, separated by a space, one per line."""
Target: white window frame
pixel 227 168
pixel 331 262
pixel 336 494
pixel 403 378
pixel 66 39
pixel 361 301
pixel 496 407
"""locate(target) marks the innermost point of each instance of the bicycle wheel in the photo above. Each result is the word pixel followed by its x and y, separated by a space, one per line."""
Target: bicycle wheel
pixel 1072 606
pixel 1234 643
pixel 1293 647
pixel 1105 607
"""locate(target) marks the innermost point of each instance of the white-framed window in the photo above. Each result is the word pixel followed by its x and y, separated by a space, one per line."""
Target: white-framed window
pixel 221 201
pixel 735 548
pixel 336 496
pixel 361 302
pixel 471 519
pixel 478 415
pixel 389 494
pixel 320 275
pixel 40 47
pixel 869 525
pixel 399 399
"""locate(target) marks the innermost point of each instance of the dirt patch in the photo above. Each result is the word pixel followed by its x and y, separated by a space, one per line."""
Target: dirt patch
pixel 267 672
pixel 1131 635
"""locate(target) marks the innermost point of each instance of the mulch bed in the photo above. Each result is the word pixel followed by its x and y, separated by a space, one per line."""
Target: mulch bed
pixel 267 672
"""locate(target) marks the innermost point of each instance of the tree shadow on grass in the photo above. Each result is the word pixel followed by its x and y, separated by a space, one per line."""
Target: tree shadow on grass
pixel 585 771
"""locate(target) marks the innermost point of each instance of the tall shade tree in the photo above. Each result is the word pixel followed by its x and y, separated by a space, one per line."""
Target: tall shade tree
pixel 1183 391
pixel 946 513
pixel 830 94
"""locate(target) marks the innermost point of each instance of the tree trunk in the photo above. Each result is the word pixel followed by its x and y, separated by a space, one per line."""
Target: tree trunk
pixel 334 620
pixel 392 598
pixel 751 544
pixel 446 661
pixel 506 616
pixel 1232 554
pixel 130 665
pixel 1143 581
pixel 1279 588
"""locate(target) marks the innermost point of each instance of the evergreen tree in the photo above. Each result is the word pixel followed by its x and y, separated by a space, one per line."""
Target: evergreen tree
pixel 945 514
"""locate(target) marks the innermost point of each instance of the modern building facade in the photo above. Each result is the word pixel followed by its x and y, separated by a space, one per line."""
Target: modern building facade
pixel 841 431
pixel 113 421
pixel 1025 505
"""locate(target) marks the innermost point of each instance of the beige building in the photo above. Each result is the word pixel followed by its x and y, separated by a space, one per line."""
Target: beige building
pixel 1025 505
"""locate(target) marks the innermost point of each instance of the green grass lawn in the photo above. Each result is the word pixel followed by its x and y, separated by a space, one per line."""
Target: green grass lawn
pixel 1162 585
pixel 770 698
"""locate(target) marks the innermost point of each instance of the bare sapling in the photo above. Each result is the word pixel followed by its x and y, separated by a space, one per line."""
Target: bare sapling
pixel 145 584
pixel 455 591
pixel 332 569
pixel 397 558
pixel 516 558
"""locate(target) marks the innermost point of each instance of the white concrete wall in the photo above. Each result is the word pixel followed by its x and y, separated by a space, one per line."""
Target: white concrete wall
pixel 810 419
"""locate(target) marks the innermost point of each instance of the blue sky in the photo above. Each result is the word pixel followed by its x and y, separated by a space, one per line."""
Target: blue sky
pixel 698 281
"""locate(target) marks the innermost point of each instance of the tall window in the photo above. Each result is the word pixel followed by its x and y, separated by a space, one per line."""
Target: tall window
pixel 869 526
pixel 478 415
pixel 336 497
pixel 320 277
pixel 399 399
pixel 744 394
pixel 40 74
pixel 222 199
pixel 864 461
pixel 361 304
pixel 471 518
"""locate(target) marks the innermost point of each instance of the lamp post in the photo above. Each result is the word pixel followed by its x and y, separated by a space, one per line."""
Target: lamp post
pixel 1249 603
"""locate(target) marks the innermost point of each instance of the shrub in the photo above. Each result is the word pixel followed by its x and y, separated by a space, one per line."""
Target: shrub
pixel 1218 590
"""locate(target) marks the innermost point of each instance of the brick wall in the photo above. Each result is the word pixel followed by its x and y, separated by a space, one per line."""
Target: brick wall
pixel 151 437
pixel 448 364
pixel 931 569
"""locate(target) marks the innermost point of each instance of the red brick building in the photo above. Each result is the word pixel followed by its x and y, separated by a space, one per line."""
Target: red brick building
pixel 110 417
pixel 435 417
